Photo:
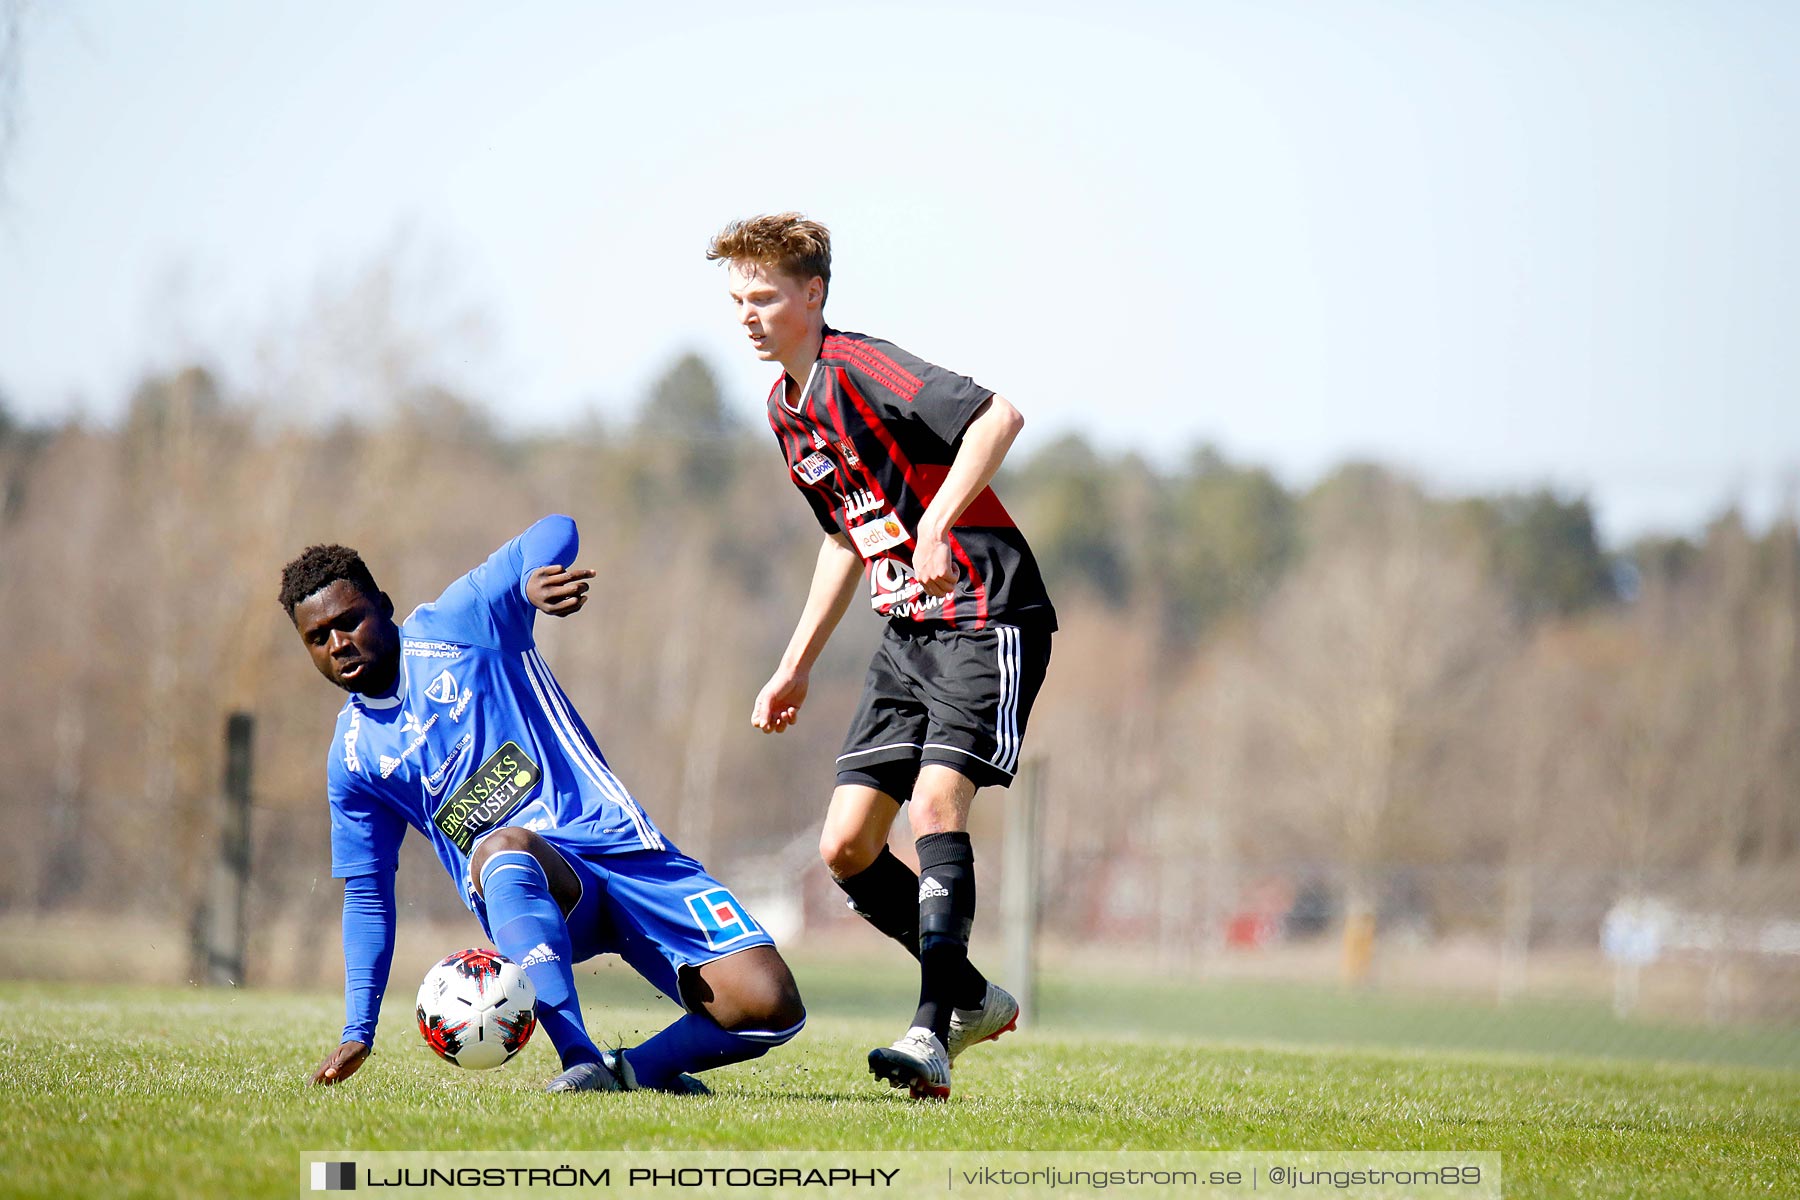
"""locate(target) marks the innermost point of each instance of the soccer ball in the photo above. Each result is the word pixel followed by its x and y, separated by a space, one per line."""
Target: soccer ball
pixel 477 1009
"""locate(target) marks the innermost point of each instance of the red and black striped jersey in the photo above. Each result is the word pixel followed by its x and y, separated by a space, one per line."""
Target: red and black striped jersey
pixel 868 445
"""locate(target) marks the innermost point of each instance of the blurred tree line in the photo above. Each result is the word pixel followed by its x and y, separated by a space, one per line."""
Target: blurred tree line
pixel 1358 673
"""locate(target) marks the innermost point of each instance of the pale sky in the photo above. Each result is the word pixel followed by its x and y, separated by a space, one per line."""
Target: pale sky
pixel 1501 244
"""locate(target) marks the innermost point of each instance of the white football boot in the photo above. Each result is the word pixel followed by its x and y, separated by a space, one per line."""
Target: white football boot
pixel 917 1062
pixel 998 1014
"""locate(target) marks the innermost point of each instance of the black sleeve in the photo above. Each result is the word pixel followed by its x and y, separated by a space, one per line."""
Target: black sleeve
pixel 821 510
pixel 905 388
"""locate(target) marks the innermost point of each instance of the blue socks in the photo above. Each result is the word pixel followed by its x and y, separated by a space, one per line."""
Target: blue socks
pixel 529 928
pixel 698 1043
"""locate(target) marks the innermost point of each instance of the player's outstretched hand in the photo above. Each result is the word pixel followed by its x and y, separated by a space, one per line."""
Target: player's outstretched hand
pixel 556 591
pixel 341 1063
pixel 778 704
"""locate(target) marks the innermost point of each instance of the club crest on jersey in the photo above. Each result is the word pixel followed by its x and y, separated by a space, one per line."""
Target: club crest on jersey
pixel 849 453
pixel 720 917
pixel 487 797
pixel 442 689
pixel 814 467
pixel 883 533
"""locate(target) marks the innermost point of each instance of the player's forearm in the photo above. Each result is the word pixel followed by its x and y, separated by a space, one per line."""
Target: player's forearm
pixel 834 582
pixel 984 445
pixel 368 951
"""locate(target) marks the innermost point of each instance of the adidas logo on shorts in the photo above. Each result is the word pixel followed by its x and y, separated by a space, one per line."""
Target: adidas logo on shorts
pixel 929 887
pixel 543 954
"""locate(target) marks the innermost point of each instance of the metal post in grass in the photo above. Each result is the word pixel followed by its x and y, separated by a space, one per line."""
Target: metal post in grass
pixel 225 932
pixel 1019 887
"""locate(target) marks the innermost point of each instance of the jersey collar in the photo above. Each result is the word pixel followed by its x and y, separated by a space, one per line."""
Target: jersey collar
pixel 805 389
pixel 812 373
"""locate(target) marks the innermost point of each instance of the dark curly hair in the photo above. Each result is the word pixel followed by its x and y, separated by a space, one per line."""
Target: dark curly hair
pixel 319 567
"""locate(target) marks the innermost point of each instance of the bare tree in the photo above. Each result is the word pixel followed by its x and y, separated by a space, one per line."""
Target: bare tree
pixel 1542 752
pixel 1371 652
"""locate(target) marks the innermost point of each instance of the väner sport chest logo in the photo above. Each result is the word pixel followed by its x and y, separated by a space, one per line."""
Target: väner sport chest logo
pixel 488 796
pixel 814 467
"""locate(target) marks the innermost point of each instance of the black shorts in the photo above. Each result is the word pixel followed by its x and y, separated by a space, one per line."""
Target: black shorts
pixel 959 697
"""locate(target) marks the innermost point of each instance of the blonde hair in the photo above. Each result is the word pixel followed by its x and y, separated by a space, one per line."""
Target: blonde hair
pixel 789 242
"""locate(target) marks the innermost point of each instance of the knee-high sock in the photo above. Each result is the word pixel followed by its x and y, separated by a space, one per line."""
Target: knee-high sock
pixel 946 914
pixel 529 929
pixel 698 1043
pixel 886 895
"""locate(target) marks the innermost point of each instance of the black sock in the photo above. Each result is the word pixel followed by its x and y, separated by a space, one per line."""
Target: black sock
pixel 946 914
pixel 886 895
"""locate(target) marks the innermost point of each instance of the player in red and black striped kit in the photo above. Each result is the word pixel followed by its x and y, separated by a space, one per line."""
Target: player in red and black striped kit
pixel 895 455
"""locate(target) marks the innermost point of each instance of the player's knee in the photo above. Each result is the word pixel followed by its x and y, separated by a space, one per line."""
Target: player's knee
pixel 507 838
pixel 785 1012
pixel 768 1001
pixel 749 993
pixel 846 854
pixel 942 793
pixel 926 820
pixel 785 1025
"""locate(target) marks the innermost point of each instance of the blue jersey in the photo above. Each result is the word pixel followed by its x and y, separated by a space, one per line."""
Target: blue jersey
pixel 477 733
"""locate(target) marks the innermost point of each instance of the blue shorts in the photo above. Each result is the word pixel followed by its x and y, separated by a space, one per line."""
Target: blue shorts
pixel 657 909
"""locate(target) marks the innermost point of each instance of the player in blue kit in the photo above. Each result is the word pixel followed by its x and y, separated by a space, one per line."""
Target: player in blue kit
pixel 456 727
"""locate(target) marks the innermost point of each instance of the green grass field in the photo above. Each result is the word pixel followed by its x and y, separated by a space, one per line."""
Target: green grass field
pixel 130 1091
